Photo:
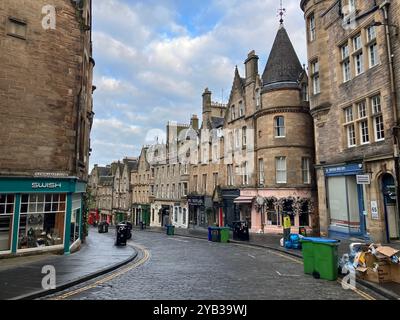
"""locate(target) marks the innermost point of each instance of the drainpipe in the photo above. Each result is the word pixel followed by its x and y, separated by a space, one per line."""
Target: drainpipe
pixel 385 7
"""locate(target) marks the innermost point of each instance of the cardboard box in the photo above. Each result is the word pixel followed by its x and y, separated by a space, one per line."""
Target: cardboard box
pixel 370 260
pixel 387 251
pixel 395 272
pixel 381 275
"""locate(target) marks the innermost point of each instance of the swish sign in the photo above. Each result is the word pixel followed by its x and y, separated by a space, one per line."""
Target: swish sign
pixel 46 185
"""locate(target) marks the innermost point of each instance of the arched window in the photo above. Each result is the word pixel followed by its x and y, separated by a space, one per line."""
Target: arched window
pixel 280 131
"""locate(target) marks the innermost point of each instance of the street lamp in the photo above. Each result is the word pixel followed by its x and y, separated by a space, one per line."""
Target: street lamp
pixel 378 24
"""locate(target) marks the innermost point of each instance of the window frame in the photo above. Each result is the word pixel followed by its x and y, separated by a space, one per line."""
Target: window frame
pixel 279 170
pixel 279 128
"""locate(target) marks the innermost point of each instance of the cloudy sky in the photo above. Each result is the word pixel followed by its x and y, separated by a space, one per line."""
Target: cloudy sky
pixel 154 58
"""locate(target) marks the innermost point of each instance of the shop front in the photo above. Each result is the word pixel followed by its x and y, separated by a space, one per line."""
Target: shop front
pixel 200 209
pixel 245 204
pixel 230 210
pixel 40 214
pixel 265 209
pixel 180 217
pixel 345 200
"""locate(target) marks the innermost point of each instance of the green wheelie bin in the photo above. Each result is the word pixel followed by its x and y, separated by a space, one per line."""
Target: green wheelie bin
pixel 321 257
pixel 170 230
pixel 224 234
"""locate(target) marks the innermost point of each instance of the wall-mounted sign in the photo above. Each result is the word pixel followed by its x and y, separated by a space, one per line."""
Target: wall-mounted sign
pixel 344 170
pixel 192 201
pixel 363 179
pixel 46 185
pixel 374 210
pixel 51 174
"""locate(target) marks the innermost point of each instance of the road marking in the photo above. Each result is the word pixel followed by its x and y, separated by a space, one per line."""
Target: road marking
pixel 287 275
pixel 359 292
pixel 287 257
pixel 179 240
pixel 145 258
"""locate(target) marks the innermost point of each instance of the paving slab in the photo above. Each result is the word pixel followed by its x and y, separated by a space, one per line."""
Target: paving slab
pixel 21 278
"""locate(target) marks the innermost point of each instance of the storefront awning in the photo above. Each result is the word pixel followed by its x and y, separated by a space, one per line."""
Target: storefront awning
pixel 244 199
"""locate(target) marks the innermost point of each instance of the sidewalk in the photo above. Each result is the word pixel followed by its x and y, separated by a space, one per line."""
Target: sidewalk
pixel 21 278
pixel 272 241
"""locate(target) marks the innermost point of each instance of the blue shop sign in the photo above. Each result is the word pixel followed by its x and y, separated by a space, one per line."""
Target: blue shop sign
pixel 41 185
pixel 344 170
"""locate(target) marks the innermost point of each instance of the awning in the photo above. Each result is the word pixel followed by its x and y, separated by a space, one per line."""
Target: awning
pixel 244 199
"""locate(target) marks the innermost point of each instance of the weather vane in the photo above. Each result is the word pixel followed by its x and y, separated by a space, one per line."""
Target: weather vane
pixel 281 12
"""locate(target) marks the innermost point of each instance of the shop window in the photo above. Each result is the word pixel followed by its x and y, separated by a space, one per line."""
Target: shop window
pixel 176 215
pixel 42 220
pixel 7 203
pixel 75 226
pixel 304 218
pixel 287 209
pixel 343 203
pixel 184 216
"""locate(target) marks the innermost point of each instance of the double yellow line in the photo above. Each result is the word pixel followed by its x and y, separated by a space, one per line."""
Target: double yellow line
pixel 293 259
pixel 144 259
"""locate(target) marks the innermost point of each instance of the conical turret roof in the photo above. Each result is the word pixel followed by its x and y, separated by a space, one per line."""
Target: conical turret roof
pixel 283 65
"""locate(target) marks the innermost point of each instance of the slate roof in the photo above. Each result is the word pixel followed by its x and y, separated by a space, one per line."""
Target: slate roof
pixel 283 65
pixel 103 171
pixel 217 122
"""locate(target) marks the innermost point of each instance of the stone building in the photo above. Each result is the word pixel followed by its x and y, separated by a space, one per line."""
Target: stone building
pixel 255 155
pixel 46 118
pixel 141 180
pixel 104 198
pixel 170 169
pixel 122 190
pixel 206 167
pixel 353 58
pixel 95 189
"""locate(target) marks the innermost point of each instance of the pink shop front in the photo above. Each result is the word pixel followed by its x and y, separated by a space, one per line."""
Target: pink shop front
pixel 264 209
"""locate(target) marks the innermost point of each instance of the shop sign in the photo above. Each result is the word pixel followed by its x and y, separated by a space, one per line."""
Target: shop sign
pixel 196 201
pixel 363 179
pixel 350 169
pixel 47 185
pixel 51 174
pixel 374 210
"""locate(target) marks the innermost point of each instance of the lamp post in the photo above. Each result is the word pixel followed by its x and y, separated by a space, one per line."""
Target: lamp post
pixel 379 23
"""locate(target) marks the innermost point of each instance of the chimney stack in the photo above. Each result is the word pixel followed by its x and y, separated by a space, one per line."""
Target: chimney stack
pixel 251 65
pixel 194 122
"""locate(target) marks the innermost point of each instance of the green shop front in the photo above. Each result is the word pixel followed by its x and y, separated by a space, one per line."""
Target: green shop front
pixel 141 213
pixel 40 214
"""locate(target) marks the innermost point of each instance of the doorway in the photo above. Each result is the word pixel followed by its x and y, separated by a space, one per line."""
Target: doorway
pixel 391 212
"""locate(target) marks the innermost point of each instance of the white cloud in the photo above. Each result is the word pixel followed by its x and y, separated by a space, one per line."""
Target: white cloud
pixel 150 69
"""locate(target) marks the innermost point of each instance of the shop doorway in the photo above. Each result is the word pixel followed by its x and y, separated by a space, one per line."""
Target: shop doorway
pixel 391 212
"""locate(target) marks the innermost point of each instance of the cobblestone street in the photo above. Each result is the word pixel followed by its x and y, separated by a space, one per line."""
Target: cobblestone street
pixel 192 269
